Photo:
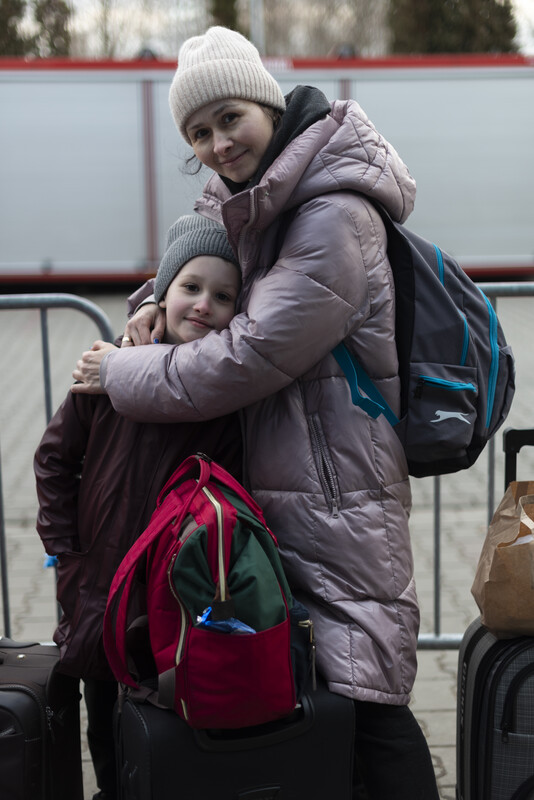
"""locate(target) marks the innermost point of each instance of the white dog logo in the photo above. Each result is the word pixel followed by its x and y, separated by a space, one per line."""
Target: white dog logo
pixel 441 416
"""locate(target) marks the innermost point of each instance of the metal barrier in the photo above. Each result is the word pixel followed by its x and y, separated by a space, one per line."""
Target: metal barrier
pixel 43 302
pixel 432 641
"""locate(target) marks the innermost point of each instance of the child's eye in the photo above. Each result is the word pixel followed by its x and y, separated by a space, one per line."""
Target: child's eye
pixel 222 297
pixel 191 287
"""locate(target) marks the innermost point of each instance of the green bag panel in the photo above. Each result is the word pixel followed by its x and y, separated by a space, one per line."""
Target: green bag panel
pixel 266 541
pixel 255 577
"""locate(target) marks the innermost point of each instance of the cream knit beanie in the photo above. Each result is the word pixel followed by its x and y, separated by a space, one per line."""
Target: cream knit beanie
pixel 219 65
pixel 190 236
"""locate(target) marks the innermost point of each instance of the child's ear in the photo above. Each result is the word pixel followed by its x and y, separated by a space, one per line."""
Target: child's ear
pixel 162 303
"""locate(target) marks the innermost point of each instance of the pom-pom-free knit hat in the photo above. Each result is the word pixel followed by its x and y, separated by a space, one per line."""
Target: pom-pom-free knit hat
pixel 191 236
pixel 219 65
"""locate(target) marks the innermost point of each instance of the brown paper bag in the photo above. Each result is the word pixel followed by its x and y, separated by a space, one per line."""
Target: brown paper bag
pixel 504 581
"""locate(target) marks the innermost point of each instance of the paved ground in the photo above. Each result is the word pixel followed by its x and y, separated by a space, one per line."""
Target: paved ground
pixel 463 497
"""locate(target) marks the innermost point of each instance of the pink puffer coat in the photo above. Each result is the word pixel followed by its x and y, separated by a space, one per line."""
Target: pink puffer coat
pixel 332 481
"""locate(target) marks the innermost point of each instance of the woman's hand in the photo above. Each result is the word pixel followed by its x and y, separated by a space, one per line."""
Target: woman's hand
pixel 87 371
pixel 147 326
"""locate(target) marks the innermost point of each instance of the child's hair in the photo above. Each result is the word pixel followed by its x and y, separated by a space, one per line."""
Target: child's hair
pixel 190 236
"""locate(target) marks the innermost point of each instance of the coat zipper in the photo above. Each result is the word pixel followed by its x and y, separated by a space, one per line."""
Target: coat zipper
pixel 326 473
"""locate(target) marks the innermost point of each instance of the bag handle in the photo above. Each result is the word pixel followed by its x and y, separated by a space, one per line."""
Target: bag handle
pixel 115 643
pixel 526 499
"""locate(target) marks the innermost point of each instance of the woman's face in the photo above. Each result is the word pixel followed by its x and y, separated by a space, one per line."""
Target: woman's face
pixel 230 137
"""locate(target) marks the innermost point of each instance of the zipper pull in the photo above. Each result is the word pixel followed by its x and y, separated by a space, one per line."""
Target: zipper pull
pixel 49 717
pixel 335 508
pixel 418 391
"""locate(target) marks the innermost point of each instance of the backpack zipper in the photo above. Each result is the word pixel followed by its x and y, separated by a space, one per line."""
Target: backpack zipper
pixel 220 543
pixel 494 366
pixel 183 615
pixel 454 386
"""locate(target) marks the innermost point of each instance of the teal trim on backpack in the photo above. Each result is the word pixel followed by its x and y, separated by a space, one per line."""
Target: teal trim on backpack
pixel 451 385
pixel 374 404
pixel 465 348
pixel 441 268
pixel 494 366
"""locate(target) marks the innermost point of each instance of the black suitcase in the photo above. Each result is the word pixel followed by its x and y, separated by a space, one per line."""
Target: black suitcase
pixel 307 755
pixel 40 752
pixel 495 712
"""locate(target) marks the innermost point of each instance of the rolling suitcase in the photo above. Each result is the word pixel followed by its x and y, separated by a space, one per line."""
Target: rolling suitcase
pixel 495 712
pixel 40 753
pixel 306 755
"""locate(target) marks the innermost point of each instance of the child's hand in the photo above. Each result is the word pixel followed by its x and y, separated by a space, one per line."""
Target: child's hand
pixel 147 326
pixel 87 371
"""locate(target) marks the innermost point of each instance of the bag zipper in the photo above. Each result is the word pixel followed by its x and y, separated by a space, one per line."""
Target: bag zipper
pixel 220 544
pixel 494 366
pixel 441 277
pixel 453 386
pixel 183 614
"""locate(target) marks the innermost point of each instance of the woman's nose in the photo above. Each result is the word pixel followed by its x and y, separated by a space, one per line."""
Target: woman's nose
pixel 221 142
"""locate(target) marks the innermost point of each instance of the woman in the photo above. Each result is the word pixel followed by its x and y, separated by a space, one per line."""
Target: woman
pixel 293 184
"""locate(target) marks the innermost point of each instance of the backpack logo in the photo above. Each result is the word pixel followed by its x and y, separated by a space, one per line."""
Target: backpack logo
pixel 443 416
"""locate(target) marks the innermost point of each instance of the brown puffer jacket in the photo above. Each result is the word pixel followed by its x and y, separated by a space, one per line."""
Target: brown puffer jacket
pixel 332 481
pixel 98 477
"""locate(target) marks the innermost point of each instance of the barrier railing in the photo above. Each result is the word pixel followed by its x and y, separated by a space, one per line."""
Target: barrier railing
pixel 43 302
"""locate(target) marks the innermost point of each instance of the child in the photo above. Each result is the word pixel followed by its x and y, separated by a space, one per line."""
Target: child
pixel 98 474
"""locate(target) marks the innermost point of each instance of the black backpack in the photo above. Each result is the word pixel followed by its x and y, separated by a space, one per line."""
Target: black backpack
pixel 456 370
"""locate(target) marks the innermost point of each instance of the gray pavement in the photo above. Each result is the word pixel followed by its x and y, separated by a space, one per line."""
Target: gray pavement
pixel 463 497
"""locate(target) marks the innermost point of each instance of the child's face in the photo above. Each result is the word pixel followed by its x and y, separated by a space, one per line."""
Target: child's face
pixel 201 298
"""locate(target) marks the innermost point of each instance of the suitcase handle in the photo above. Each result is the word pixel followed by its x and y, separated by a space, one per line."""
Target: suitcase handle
pixel 513 440
pixel 300 721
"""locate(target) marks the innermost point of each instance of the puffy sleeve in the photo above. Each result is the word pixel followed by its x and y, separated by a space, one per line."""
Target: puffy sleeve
pixel 57 465
pixel 312 297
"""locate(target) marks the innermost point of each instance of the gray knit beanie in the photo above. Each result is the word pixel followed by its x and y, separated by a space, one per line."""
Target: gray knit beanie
pixel 190 236
pixel 219 65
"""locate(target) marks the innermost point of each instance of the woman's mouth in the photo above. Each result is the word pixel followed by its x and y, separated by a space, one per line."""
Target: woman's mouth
pixel 232 161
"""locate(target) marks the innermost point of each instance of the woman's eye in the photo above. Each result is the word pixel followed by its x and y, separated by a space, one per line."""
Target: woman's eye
pixel 201 133
pixel 229 118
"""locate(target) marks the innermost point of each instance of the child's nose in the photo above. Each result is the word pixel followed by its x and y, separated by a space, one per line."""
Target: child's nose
pixel 203 304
